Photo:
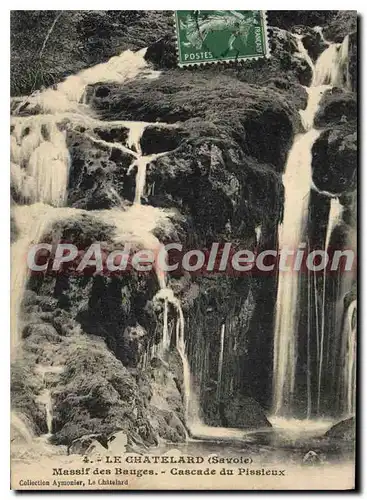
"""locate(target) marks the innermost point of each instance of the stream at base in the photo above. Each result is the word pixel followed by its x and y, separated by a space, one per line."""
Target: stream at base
pixel 286 445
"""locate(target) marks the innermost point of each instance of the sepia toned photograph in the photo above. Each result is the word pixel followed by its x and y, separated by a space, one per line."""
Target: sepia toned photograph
pixel 183 249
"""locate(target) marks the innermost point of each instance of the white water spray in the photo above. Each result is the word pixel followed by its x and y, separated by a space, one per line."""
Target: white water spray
pixel 335 213
pixel 69 94
pixel 40 160
pixel 32 222
pixel 297 182
pixel 348 358
pixel 332 66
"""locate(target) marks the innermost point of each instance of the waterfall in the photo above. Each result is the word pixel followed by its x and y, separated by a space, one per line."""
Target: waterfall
pixel 314 97
pixel 31 222
pixel 332 66
pixel 40 160
pixel 140 164
pixel 165 293
pixel 297 184
pixel 335 212
pixel 69 94
pixel 258 234
pixel 349 339
pixel 220 361
pixel 297 181
pixel 168 297
pixel 40 170
pixel 45 397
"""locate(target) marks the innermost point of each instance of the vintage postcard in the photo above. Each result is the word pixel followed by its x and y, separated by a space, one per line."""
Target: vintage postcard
pixel 184 220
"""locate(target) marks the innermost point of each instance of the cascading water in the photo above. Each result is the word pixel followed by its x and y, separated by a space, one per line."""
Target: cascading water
pixel 330 70
pixel 40 158
pixel 31 222
pixel 125 223
pixel 297 183
pixel 220 361
pixel 332 66
pixel 45 397
pixel 40 169
pixel 335 213
pixel 69 94
pixel 348 358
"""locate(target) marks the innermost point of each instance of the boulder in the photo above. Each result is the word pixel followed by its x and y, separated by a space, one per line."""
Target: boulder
pixel 344 430
pixel 335 158
pixel 161 138
pixel 87 444
pixel 311 458
pixel 285 50
pixel 313 43
pixel 243 413
pixel 98 173
pixel 336 107
pixel 168 426
pixel 163 52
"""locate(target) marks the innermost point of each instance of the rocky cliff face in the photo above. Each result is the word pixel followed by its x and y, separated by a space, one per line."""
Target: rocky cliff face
pixel 226 133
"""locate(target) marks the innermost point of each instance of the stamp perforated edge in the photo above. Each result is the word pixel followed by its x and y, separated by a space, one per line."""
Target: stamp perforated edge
pixel 227 62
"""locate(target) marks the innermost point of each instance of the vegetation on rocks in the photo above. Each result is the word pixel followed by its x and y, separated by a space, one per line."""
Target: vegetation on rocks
pixel 49 45
pixel 225 150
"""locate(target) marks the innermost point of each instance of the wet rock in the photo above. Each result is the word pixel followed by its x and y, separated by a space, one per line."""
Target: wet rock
pixel 159 139
pixel 86 445
pixel 112 134
pixel 96 394
pixel 285 49
pixel 134 341
pixel 163 52
pixel 336 107
pixel 344 22
pixel 206 173
pixel 313 43
pixel 344 430
pixel 252 116
pixel 311 458
pixel 243 413
pixel 290 87
pixel 353 60
pixel 167 385
pixel 168 426
pixel 289 19
pixel 334 159
pixel 98 173
pixel 41 332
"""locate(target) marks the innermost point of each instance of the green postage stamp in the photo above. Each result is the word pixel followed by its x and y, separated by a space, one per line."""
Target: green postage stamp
pixel 209 36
